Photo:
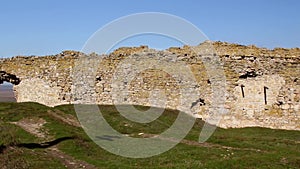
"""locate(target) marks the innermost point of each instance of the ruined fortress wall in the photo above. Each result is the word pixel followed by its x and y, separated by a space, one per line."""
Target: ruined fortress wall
pixel 262 86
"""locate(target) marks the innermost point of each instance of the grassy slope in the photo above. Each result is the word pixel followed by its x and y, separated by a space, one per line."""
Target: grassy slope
pixel 231 148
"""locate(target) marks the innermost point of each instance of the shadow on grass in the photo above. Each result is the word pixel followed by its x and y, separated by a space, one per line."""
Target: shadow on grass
pixel 37 145
pixel 2 148
pixel 107 137
pixel 45 144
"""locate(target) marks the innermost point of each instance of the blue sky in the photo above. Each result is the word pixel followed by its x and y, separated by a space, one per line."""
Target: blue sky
pixel 41 27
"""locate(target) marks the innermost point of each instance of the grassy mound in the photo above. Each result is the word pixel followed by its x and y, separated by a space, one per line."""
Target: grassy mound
pixel 36 136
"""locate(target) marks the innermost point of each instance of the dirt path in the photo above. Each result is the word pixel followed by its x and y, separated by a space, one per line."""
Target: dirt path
pixel 205 144
pixel 35 127
pixel 68 161
pixel 66 118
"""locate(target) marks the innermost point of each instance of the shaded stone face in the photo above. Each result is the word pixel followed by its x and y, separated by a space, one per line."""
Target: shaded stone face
pixel 7 77
pixel 262 86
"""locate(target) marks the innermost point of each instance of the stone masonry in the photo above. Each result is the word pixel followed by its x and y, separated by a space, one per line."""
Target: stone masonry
pixel 261 87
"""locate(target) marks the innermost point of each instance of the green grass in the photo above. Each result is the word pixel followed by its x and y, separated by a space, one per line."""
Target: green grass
pixel 231 148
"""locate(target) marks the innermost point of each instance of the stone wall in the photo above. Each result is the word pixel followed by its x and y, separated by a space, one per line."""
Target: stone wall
pixel 262 86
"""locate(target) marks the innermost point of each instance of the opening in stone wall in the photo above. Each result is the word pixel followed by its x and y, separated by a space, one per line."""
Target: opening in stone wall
pixel 7 93
pixel 7 81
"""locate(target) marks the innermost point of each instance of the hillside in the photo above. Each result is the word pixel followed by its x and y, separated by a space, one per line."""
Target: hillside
pixel 36 136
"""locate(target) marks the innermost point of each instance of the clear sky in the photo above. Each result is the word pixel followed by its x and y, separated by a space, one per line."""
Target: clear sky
pixel 41 27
